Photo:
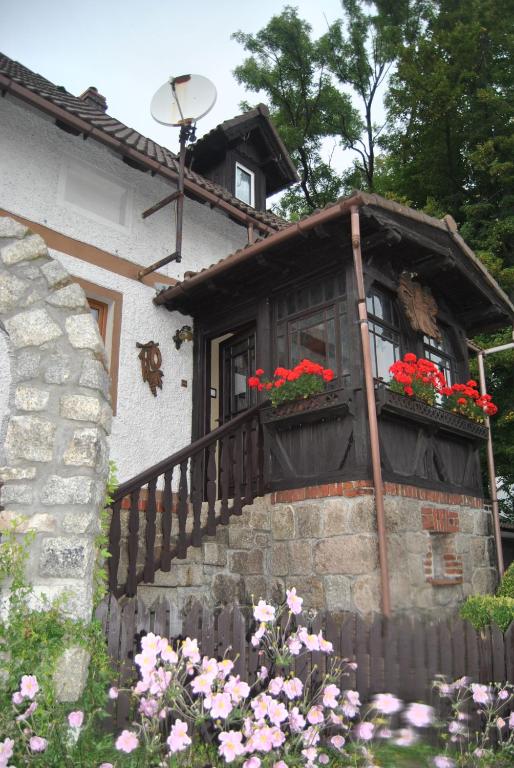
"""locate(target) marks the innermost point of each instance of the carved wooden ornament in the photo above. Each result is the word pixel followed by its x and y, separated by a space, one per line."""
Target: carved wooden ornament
pixel 420 307
pixel 151 361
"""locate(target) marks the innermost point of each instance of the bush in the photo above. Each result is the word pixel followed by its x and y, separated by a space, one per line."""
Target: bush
pixel 482 610
pixel 506 588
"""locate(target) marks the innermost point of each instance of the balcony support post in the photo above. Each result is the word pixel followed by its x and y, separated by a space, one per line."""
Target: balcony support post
pixel 372 413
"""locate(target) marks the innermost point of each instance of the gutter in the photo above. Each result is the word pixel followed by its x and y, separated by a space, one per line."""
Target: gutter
pixel 277 238
pixel 9 86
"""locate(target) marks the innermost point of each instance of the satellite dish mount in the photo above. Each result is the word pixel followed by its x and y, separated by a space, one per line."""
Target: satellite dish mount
pixel 180 102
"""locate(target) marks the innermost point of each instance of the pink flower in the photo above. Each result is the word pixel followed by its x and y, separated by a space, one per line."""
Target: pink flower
pixel 323 759
pixel 260 706
pixel 310 755
pixel 221 706
pixel 258 634
pixel 264 612
pixel 294 645
pixel 203 683
pixel 294 602
pixel 293 688
pixel 127 742
pixel 277 712
pixel 231 746
pixel 237 689
pixel 337 741
pixel 315 715
pixel 28 712
pixel 37 744
pixel 277 737
pixel 405 737
pixel 296 720
pixel 441 761
pixel 324 645
pixel 149 707
pixel 500 723
pixel 113 693
pixel 18 698
pixel 263 673
pixel 75 719
pixel 178 739
pixel 225 667
pixel 503 694
pixel 365 731
pixel 190 650
pixel 29 687
pixel 280 764
pixel 330 694
pixel 311 642
pixel 351 704
pixel 511 720
pixel 253 762
pixel 386 703
pixel 419 715
pixel 106 765
pixel 481 693
pixel 276 685
pixel 262 739
pixel 6 750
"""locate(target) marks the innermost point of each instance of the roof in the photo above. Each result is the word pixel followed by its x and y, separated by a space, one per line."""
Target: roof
pixel 93 121
pixel 282 172
pixel 185 290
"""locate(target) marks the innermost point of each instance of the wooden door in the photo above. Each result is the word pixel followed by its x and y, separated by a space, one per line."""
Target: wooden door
pixel 237 363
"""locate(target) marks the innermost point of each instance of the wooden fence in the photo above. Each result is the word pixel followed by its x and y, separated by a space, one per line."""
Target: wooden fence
pixel 399 655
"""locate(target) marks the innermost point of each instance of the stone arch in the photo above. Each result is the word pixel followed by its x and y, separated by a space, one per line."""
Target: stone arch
pixel 55 450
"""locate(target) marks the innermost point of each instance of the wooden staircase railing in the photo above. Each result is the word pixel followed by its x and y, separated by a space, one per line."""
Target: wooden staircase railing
pixel 212 478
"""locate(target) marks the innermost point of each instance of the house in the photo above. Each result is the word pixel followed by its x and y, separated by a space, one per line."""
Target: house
pixel 254 500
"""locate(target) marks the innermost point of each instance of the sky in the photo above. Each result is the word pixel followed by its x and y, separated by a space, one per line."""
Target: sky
pixel 128 48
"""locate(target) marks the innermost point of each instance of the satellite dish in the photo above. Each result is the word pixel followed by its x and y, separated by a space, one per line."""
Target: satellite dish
pixel 183 99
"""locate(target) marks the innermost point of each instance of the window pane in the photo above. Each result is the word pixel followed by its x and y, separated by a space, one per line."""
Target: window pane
pixel 385 345
pixel 243 185
pixel 313 338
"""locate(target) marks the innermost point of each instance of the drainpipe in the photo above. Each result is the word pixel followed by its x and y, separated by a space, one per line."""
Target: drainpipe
pixel 491 471
pixel 372 413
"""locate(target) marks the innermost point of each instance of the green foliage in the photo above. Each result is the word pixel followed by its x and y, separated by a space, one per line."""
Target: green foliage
pixel 482 610
pixel 100 575
pixel 506 588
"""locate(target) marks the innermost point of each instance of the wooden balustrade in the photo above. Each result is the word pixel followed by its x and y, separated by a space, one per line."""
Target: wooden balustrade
pixel 199 488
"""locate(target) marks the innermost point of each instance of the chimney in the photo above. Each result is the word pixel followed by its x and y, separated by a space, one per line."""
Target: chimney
pixel 94 99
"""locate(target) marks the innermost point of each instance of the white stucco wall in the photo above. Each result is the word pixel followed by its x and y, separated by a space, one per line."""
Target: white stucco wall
pixel 5 388
pixel 34 156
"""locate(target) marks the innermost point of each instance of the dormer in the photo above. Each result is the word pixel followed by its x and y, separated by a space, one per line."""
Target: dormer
pixel 246 156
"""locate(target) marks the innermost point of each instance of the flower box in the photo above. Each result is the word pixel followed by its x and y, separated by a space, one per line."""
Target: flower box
pixel 315 408
pixel 416 410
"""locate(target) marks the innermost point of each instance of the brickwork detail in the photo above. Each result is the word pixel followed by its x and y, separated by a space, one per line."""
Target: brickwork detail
pixel 440 520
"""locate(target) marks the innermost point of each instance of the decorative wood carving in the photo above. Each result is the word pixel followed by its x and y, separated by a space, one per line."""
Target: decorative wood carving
pixel 420 307
pixel 151 361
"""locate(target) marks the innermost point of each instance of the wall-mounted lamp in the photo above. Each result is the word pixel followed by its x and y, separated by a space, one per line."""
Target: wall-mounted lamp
pixel 183 334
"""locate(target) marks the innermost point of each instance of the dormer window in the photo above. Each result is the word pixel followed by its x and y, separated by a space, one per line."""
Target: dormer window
pixel 245 185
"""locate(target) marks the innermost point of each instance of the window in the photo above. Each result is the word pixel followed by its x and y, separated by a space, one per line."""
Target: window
pixel 99 310
pixel 311 324
pixel 94 193
pixel 245 185
pixel 441 353
pixel 384 328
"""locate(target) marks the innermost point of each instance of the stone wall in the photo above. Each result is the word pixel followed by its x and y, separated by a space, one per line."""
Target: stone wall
pixel 323 541
pixel 55 450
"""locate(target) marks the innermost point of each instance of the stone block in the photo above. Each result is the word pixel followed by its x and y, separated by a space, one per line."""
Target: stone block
pixel 31 398
pixel 34 295
pixel 247 562
pixel 27 364
pixel 279 559
pixel 28 271
pixel 282 522
pixel 366 593
pixel 481 522
pixel 80 522
pixel 260 519
pixel 11 291
pixel 31 438
pixel 85 448
pixel 11 228
pixel 308 521
pixel 70 297
pixel 351 554
pixel 94 376
pixel 31 329
pixel 55 274
pixel 17 473
pixel 57 369
pixel 41 522
pixel 240 538
pixel 83 333
pixel 227 589
pixel 300 557
pixel 69 490
pixel 31 247
pixel 401 514
pixel 66 557
pixel 338 593
pixel 467 520
pixel 214 553
pixel 81 408
pixel 339 516
pixel 256 588
pixel 70 674
pixel 310 588
pixel 483 581
pixel 16 494
pixel 416 543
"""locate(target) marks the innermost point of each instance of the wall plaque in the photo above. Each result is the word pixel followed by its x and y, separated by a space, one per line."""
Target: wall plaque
pixel 420 307
pixel 151 361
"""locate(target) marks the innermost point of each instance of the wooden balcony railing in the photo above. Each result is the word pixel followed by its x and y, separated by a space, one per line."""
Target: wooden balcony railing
pixel 186 496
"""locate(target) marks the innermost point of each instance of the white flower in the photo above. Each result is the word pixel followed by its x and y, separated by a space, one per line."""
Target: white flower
pixel 386 703
pixel 264 612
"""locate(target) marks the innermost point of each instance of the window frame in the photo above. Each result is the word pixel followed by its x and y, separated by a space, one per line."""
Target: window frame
pixel 449 356
pixel 251 174
pixel 103 312
pixel 374 319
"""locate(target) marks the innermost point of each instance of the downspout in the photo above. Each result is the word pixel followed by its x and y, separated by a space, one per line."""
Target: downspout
pixel 491 470
pixel 372 413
